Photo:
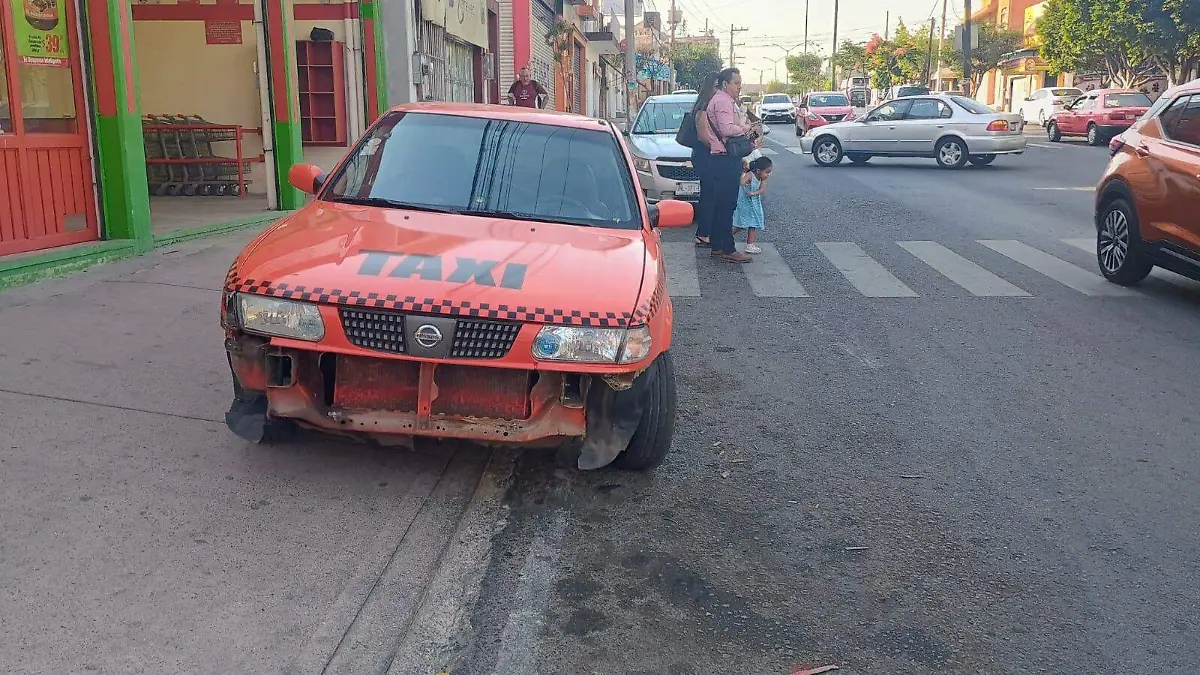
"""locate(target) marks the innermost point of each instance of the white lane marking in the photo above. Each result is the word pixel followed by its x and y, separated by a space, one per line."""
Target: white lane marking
pixel 1061 271
pixel 795 150
pixel 1089 245
pixel 518 653
pixel 861 270
pixel 767 152
pixel 779 143
pixel 770 276
pixel 1041 145
pixel 1065 189
pixel 682 279
pixel 975 279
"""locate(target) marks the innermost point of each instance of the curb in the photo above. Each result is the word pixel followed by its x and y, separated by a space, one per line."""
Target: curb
pixel 28 269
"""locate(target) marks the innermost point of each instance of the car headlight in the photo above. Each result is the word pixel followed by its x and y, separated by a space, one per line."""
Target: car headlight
pixel 592 345
pixel 280 318
pixel 642 164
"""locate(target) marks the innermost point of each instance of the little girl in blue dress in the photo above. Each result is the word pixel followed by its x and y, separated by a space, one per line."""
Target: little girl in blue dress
pixel 749 214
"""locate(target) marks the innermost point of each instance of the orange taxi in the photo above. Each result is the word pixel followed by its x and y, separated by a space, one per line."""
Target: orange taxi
pixel 471 272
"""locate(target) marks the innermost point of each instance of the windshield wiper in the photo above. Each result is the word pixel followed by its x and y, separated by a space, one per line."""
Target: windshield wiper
pixel 394 204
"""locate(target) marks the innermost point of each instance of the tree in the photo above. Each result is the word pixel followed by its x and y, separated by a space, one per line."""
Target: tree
pixel 806 73
pixel 994 43
pixel 693 63
pixel 851 56
pixel 776 87
pixel 1116 37
pixel 1175 44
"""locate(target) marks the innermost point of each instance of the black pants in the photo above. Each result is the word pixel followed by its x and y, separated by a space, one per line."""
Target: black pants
pixel 704 207
pixel 727 177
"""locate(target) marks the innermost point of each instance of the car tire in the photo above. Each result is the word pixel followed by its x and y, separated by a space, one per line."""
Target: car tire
pixel 1119 246
pixel 982 160
pixel 1042 118
pixel 858 158
pixel 1052 133
pixel 951 153
pixel 832 155
pixel 1093 135
pixel 652 440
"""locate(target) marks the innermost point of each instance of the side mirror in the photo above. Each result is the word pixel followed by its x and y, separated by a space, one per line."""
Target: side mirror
pixel 1028 99
pixel 308 178
pixel 670 213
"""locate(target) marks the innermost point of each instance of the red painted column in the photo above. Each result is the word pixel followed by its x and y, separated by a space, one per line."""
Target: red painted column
pixel 522 31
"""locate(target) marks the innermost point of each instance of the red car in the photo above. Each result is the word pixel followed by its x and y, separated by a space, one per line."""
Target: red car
pixel 1099 115
pixel 820 108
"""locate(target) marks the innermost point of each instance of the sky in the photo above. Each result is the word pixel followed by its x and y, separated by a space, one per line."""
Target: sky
pixel 781 22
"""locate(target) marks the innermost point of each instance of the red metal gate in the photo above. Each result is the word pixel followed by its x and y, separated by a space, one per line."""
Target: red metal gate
pixel 46 188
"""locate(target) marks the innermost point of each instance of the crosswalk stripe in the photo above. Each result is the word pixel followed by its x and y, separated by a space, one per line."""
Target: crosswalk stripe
pixel 682 278
pixel 1089 245
pixel 767 152
pixel 1061 271
pixel 861 270
pixel 770 276
pixel 795 150
pixel 1085 244
pixel 961 271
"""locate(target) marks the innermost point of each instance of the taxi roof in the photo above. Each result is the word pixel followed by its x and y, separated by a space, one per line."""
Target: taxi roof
pixel 503 112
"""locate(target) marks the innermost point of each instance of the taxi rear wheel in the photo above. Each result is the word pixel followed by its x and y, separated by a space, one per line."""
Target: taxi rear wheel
pixel 652 440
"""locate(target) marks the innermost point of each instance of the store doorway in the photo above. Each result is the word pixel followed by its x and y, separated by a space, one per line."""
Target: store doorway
pixel 47 196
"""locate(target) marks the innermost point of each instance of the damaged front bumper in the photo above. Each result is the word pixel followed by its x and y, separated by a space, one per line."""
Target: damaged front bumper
pixel 393 400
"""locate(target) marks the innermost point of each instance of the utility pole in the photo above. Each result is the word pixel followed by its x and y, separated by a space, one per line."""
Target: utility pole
pixel 760 77
pixel 674 24
pixel 966 47
pixel 929 55
pixel 630 62
pixel 805 26
pixel 833 59
pixel 733 31
pixel 941 41
pixel 887 24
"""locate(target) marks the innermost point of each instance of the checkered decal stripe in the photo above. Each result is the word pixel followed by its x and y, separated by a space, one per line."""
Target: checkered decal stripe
pixel 649 308
pixel 483 310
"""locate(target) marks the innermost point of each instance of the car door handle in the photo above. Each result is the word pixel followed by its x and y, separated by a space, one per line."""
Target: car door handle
pixel 941 126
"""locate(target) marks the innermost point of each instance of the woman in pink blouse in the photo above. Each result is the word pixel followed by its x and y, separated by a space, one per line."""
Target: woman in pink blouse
pixel 700 155
pixel 725 122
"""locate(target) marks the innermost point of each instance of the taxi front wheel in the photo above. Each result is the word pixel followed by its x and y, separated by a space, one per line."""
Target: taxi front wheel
pixel 652 440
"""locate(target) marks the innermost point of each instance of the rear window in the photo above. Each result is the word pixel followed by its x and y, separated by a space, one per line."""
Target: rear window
pixel 971 105
pixel 1126 101
pixel 827 101
pixel 1066 92
pixel 490 167
pixel 777 98
pixel 912 91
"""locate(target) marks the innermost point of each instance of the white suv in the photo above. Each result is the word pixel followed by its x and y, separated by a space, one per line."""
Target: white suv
pixel 777 108
pixel 1043 103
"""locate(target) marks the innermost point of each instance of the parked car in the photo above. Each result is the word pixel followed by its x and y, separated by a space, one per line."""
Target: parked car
pixel 664 167
pixel 1148 199
pixel 1043 103
pixel 1098 115
pixel 685 91
pixel 910 90
pixel 820 108
pixel 951 129
pixel 434 288
pixel 776 108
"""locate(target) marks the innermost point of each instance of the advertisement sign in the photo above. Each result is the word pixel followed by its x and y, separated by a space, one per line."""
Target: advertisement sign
pixel 40 29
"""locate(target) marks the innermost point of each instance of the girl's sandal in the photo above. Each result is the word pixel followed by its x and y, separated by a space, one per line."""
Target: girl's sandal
pixel 702 242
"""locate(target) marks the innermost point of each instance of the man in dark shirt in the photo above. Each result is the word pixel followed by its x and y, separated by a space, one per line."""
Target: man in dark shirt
pixel 525 92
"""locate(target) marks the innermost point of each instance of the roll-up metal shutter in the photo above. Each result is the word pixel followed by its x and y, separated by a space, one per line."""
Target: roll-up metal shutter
pixel 543 54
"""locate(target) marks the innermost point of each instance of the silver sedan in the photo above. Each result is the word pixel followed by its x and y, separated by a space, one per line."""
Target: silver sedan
pixel 951 129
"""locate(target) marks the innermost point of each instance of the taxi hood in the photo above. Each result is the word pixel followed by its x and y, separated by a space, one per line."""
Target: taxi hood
pixel 448 264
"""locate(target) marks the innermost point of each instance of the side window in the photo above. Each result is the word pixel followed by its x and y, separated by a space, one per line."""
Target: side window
pixel 924 109
pixel 1089 103
pixel 944 110
pixel 1078 104
pixel 1186 127
pixel 1039 94
pixel 890 112
pixel 1171 115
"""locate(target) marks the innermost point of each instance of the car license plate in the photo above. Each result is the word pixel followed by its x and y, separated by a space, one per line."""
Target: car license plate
pixel 689 189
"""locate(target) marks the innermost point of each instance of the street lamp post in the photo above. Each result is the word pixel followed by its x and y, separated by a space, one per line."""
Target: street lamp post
pixel 787 73
pixel 775 62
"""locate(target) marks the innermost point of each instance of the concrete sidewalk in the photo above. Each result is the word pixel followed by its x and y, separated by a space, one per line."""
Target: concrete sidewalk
pixel 138 535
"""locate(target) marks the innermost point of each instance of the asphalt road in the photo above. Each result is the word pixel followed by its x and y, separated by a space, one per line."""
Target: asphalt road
pixel 917 436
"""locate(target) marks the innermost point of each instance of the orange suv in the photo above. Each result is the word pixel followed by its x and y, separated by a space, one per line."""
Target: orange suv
pixel 1148 201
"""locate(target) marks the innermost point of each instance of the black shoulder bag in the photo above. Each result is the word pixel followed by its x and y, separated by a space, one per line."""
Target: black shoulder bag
pixel 687 135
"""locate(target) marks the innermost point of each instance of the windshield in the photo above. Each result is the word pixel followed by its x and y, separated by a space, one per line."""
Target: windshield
pixel 972 106
pixel 1066 92
pixel 1126 101
pixel 827 101
pixel 912 91
pixel 776 98
pixel 490 167
pixel 661 118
